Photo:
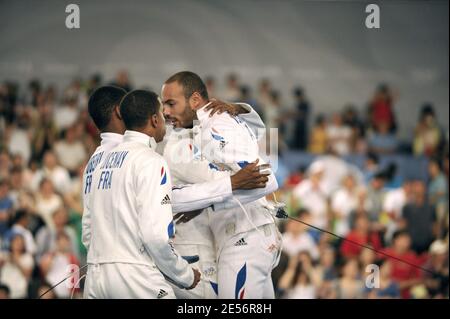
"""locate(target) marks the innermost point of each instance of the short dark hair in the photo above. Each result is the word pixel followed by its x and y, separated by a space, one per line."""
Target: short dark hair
pixel 5 288
pixel 101 104
pixel 399 233
pixel 190 82
pixel 137 107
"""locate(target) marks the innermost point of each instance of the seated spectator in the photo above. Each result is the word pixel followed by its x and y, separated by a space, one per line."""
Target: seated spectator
pixel 232 91
pixel 297 239
pixel 382 141
pixel 6 206
pixel 438 191
pixel 437 282
pixel 393 204
pixel 47 202
pixel 318 140
pixel 349 285
pixel 66 115
pixel 70 151
pixel 339 136
pixel 46 236
pixel 5 163
pixel 388 288
pixel 366 258
pixel 427 134
pixel 343 202
pixel 312 197
pixel 20 225
pixel 406 275
pixel 55 265
pixel 16 267
pixel 57 174
pixel 362 235
pixel 5 293
pixel 371 166
pixel 325 273
pixel 419 218
pixel 375 198
pixel 296 282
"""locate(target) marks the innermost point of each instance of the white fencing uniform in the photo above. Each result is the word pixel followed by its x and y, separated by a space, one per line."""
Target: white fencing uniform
pixel 130 225
pixel 192 177
pixel 247 244
pixel 108 142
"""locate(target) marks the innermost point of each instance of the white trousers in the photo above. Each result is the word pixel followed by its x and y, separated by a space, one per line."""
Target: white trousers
pixel 207 287
pixel 126 281
pixel 245 264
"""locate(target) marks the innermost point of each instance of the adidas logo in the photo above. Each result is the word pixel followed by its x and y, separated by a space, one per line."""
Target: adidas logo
pixel 241 242
pixel 162 293
pixel 165 200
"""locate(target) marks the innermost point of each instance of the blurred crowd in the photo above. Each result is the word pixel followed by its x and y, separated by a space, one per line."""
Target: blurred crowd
pixel 47 136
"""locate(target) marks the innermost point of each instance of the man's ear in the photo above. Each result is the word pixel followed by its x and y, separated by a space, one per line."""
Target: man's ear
pixel 117 111
pixel 154 120
pixel 195 100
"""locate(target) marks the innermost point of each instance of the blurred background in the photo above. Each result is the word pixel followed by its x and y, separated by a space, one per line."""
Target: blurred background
pixel 362 117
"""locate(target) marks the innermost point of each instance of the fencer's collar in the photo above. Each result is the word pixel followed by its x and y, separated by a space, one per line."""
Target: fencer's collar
pixel 202 113
pixel 111 138
pixel 133 136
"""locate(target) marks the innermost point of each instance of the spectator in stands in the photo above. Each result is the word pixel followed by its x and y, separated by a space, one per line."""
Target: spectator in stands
pixel 20 225
pixel 406 275
pixel 18 136
pixel 274 113
pixel 246 97
pixel 45 132
pixel 427 134
pixel 382 141
pixel 47 202
pixel 122 80
pixel 393 204
pixel 325 273
pixel 318 140
pixel 210 83
pixel 296 237
pixel 375 197
pixel 437 281
pixel 438 191
pixel 349 286
pixel 362 234
pixel 312 197
pixel 296 282
pixel 46 236
pixel 56 264
pixel 371 166
pixel 44 288
pixel 6 206
pixel 388 289
pixel 381 109
pixel 66 115
pixel 232 91
pixel 58 175
pixel 301 118
pixel 16 267
pixel 366 258
pixel 343 202
pixel 70 151
pixel 264 94
pixel 339 136
pixel 351 119
pixel 419 218
pixel 5 165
